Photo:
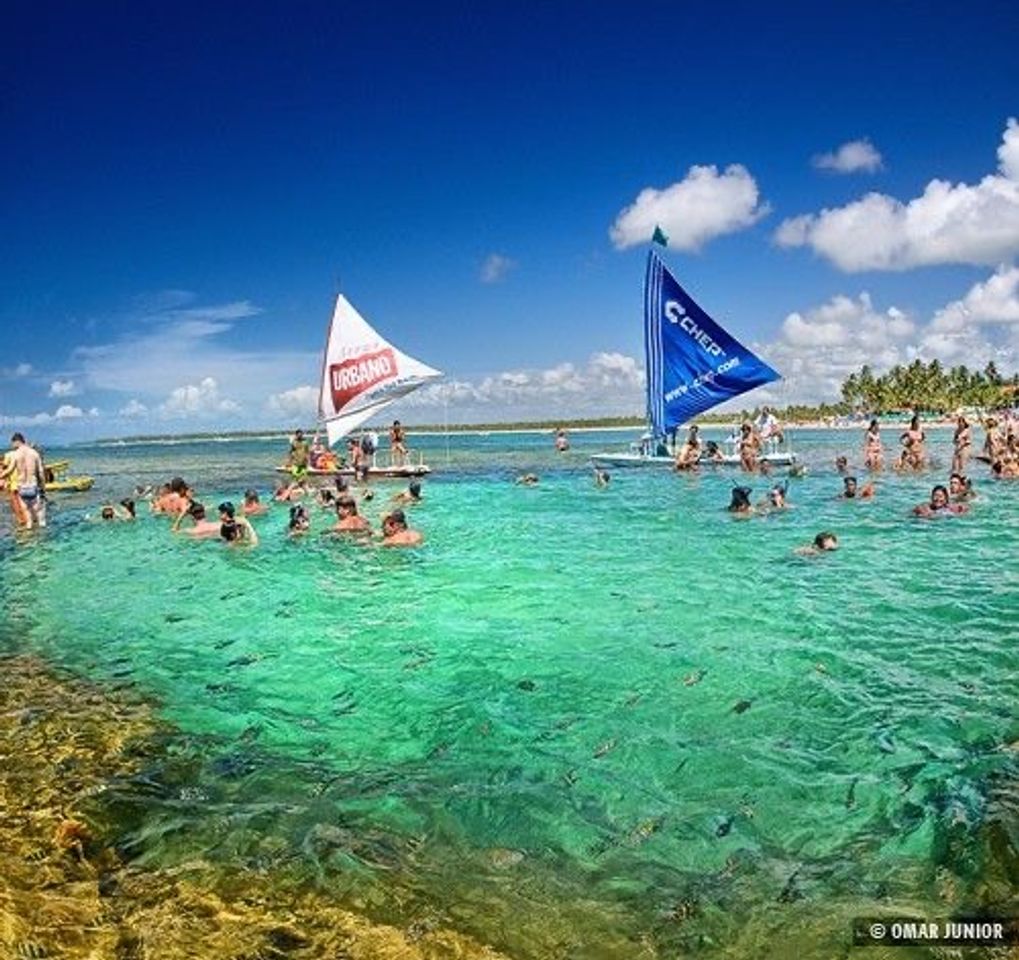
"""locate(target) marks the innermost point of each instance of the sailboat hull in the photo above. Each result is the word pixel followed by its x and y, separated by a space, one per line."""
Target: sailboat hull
pixel 625 460
pixel 410 470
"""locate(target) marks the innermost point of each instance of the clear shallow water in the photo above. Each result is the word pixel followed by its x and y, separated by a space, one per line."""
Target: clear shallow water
pixel 576 716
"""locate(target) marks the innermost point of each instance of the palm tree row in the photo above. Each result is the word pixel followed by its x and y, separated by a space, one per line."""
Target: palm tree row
pixel 928 387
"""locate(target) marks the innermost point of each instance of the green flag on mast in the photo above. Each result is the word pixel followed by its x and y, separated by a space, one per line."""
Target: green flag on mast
pixel 659 237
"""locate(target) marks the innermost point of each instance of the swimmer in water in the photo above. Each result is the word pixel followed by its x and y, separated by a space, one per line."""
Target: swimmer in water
pixel 125 512
pixel 740 505
pixel 841 464
pixel 348 520
pixel 203 529
pixel 411 495
pixel 939 505
pixel 396 533
pixel 527 479
pixel 850 490
pixel 235 530
pixel 601 478
pixel 824 542
pixel 960 488
pixel 300 522
pixel 252 506
pixel 776 498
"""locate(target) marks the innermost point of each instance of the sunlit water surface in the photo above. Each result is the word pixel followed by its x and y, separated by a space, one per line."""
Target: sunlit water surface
pixel 578 721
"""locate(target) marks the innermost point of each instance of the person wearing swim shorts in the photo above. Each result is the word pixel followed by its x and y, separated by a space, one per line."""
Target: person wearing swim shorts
pixel 26 467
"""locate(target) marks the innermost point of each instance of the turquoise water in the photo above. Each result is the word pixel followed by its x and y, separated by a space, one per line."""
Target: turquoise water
pixel 577 722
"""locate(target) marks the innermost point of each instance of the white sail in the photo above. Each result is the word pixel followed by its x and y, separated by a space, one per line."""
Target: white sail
pixel 362 373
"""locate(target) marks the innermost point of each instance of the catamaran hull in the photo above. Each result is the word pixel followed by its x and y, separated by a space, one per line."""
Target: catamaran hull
pixel 624 460
pixel 418 470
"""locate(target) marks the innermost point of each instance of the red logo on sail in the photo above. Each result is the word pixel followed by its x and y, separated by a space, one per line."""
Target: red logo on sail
pixel 354 376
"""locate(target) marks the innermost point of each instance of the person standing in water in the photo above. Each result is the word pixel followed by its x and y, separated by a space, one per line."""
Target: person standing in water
pixel 690 453
pixel 962 441
pixel 25 466
pixel 914 454
pixel 873 449
pixel 749 447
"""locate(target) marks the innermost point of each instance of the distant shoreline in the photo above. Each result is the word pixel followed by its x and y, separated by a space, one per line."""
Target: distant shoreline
pixel 493 429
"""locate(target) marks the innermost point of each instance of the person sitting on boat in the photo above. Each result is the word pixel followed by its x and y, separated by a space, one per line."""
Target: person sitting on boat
pixel 411 495
pixel 397 444
pixel 252 506
pixel 348 520
pixel 739 504
pixel 940 505
pixel 767 426
pixel 203 528
pixel 396 533
pixel 690 453
pixel 315 453
pixel 749 448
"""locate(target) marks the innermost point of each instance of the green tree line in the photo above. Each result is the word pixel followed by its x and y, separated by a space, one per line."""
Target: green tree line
pixel 927 387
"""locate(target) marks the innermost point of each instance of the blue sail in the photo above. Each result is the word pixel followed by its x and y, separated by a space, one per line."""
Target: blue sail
pixel 692 363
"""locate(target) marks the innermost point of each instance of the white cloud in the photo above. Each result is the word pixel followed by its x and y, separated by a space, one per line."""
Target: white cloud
pixel 16 372
pixel 133 408
pixel 495 268
pixel 68 412
pixel 299 401
pixel 197 400
pixel 171 344
pixel 853 157
pixel 818 348
pixel 62 388
pixel 960 223
pixel 607 384
pixel 994 301
pixel 704 205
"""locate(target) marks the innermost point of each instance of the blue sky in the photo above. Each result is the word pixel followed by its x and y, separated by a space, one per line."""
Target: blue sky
pixel 185 189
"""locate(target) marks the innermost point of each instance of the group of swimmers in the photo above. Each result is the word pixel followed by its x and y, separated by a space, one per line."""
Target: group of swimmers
pixel 1000 450
pixel 233 526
